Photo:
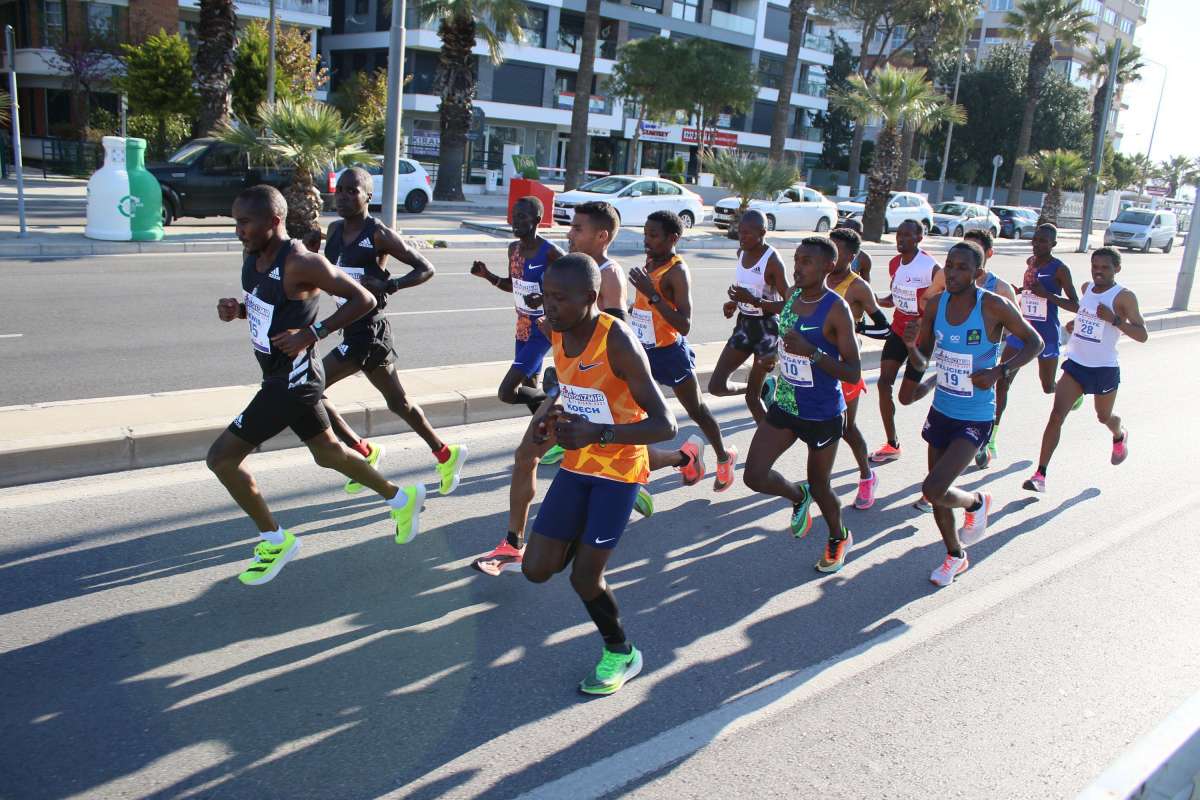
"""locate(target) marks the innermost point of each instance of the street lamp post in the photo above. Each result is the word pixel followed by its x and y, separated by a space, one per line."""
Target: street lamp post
pixel 10 44
pixel 393 131
pixel 271 54
pixel 1154 126
pixel 1089 192
pixel 954 101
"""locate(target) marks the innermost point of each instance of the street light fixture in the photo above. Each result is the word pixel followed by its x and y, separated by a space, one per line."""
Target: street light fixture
pixel 393 130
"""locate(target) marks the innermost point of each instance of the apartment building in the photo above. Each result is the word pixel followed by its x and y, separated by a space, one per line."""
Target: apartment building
pixel 39 24
pixel 527 100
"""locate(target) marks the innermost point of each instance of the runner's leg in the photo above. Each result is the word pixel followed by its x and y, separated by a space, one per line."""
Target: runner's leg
pixel 688 394
pixel 387 382
pixel 1104 413
pixel 945 467
pixel 759 370
pixel 517 387
pixel 887 404
pixel 727 363
pixel 768 444
pixel 1065 395
pixel 1048 372
pixel 225 459
pixel 337 369
pixel 853 437
pixel 523 487
pixel 1003 384
pixel 820 467
pixel 329 453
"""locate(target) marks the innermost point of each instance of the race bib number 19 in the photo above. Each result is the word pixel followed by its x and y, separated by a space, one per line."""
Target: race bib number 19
pixel 259 315
pixel 954 373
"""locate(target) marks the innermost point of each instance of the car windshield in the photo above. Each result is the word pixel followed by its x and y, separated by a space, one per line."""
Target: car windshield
pixel 1135 217
pixel 953 209
pixel 862 198
pixel 188 153
pixel 609 185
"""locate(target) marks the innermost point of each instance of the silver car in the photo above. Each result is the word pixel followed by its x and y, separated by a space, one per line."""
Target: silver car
pixel 1142 228
pixel 955 219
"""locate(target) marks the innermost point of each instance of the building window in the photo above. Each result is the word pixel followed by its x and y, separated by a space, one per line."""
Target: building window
pixel 764 117
pixel 1110 16
pixel 570 35
pixel 422 66
pixel 520 84
pixel 533 24
pixel 653 6
pixel 1126 26
pixel 777 23
pixel 688 10
pixel 53 15
pixel 104 22
pixel 638 32
pixel 770 71
pixel 1001 5
pixel 1091 6
pixel 565 93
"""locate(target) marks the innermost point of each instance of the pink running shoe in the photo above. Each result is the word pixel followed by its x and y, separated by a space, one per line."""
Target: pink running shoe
pixel 951 568
pixel 693 472
pixel 725 470
pixel 885 454
pixel 1121 449
pixel 866 492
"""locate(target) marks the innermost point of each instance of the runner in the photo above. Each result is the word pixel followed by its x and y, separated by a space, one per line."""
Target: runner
pixel 757 297
pixel 360 245
pixel 964 403
pixel 858 295
pixel 862 259
pixel 282 286
pixel 528 258
pixel 1106 311
pixel 915 276
pixel 1046 287
pixel 991 282
pixel 819 350
pixel 610 410
pixel 593 230
pixel 662 318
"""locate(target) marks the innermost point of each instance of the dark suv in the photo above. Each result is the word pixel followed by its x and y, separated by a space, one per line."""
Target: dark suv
pixel 204 177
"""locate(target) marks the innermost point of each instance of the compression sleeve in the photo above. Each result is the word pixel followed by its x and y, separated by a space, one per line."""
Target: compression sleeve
pixel 878 329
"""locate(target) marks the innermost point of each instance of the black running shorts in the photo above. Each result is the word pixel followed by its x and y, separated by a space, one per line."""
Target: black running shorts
pixel 894 349
pixel 816 433
pixel 276 407
pixel 757 335
pixel 368 345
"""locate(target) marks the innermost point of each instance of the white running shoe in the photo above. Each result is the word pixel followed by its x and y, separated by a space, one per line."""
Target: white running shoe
pixel 952 567
pixel 975 522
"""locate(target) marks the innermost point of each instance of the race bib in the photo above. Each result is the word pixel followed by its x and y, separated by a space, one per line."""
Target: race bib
pixel 1089 327
pixel 905 298
pixel 1034 308
pixel 796 370
pixel 259 314
pixel 954 372
pixel 521 290
pixel 643 326
pixel 354 272
pixel 747 308
pixel 590 403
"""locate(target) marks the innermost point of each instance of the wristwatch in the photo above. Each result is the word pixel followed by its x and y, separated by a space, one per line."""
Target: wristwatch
pixel 655 297
pixel 608 434
pixel 319 330
pixel 816 357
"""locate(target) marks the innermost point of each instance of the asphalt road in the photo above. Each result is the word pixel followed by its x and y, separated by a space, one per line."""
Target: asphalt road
pixel 118 325
pixel 136 665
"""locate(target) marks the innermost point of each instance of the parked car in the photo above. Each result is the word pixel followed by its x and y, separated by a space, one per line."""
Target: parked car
pixel 414 187
pixel 901 206
pixel 1016 221
pixel 797 208
pixel 634 197
pixel 955 219
pixel 205 176
pixel 1142 228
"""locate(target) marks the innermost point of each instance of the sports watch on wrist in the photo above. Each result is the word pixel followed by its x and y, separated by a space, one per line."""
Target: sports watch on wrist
pixel 320 330
pixel 655 298
pixel 608 434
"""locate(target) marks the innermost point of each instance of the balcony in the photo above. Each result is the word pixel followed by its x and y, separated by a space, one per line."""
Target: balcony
pixel 319 7
pixel 596 105
pixel 807 134
pixel 733 22
pixel 812 89
pixel 814 42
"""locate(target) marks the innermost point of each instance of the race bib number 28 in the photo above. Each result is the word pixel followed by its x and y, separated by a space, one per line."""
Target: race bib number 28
pixel 1089 327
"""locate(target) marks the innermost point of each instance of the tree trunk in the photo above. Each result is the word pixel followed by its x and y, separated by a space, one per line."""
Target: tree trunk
pixel 1039 63
pixel 577 145
pixel 1098 111
pixel 856 145
pixel 304 205
pixel 879 182
pixel 161 144
pixel 214 64
pixel 797 22
pixel 631 153
pixel 456 81
pixel 908 135
pixel 1051 206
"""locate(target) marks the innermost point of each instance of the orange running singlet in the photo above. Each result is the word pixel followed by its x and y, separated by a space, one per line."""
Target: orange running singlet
pixel 589 388
pixel 647 323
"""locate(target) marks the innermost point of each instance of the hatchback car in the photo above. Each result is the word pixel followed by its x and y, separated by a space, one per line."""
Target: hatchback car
pixel 901 206
pixel 635 197
pixel 1142 228
pixel 414 188
pixel 955 219
pixel 1016 222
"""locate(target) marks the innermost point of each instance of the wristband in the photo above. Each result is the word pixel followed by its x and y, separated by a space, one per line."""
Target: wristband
pixel 817 357
pixel 241 310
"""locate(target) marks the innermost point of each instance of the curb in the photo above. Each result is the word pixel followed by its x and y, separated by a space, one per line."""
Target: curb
pixel 28 250
pixel 61 456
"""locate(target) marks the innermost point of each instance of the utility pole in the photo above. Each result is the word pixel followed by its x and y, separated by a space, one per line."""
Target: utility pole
pixel 954 101
pixel 1154 127
pixel 1089 191
pixel 1187 269
pixel 393 131
pixel 10 44
pixel 271 55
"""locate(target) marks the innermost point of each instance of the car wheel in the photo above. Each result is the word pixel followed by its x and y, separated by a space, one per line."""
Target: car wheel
pixel 995 233
pixel 822 225
pixel 167 216
pixel 1170 243
pixel 687 219
pixel 415 202
pixel 770 222
pixel 958 232
pixel 926 225
pixel 1146 246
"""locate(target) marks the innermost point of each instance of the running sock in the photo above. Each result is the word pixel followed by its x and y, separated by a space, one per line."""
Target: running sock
pixel 978 504
pixel 894 443
pixel 513 538
pixel 274 537
pixel 442 455
pixel 1119 439
pixel 840 536
pixel 687 459
pixel 603 610
pixel 957 553
pixel 362 447
pixel 400 500
pixel 530 397
pixel 1042 469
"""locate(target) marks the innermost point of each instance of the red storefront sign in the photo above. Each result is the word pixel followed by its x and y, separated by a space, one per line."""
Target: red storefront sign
pixel 714 138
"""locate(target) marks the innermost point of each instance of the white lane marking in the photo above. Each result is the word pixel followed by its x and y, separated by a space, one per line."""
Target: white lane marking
pixel 11 335
pixel 622 768
pixel 445 311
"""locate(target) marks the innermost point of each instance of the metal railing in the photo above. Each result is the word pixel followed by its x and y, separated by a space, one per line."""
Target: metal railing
pixel 733 22
pixel 306 6
pixel 69 157
pixel 813 89
pixel 816 42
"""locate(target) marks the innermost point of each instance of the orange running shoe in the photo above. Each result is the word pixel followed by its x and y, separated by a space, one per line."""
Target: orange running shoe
pixel 505 558
pixel 885 454
pixel 725 470
pixel 693 471
pixel 834 557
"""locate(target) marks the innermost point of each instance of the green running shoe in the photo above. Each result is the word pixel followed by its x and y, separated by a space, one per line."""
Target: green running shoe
pixel 801 519
pixel 450 471
pixel 376 453
pixel 644 502
pixel 408 518
pixel 612 672
pixel 1078 402
pixel 553 455
pixel 269 559
pixel 768 390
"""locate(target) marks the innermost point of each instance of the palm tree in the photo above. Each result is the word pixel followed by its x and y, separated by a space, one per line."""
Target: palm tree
pixel 798 11
pixel 307 136
pixel 1129 69
pixel 460 23
pixel 749 178
pixel 1146 171
pixel 1056 170
pixel 897 97
pixel 217 35
pixel 1045 23
pixel 1177 171
pixel 577 144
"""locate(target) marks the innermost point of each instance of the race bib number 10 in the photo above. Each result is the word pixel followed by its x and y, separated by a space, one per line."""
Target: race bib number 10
pixel 796 370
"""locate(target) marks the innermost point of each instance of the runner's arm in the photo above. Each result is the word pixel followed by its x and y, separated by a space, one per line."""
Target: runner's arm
pixel 612 291
pixel 481 270
pixel 1009 316
pixel 629 363
pixel 1005 290
pixel 1071 301
pixel 918 336
pixel 878 327
pixel 777 279
pixel 389 242
pixel 1128 316
pixel 847 367
pixel 305 269
pixel 676 303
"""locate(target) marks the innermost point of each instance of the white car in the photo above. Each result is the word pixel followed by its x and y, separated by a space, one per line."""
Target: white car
pixel 797 208
pixel 953 218
pixel 414 188
pixel 635 197
pixel 1142 228
pixel 901 206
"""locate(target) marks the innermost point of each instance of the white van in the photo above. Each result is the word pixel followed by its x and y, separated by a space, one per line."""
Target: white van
pixel 1142 228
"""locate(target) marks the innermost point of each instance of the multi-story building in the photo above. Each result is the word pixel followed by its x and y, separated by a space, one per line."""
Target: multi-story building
pixel 527 99
pixel 46 107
